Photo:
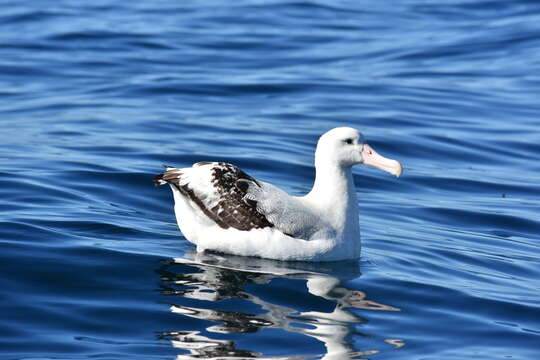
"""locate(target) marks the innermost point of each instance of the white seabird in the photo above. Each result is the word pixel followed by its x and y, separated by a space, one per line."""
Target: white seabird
pixel 219 207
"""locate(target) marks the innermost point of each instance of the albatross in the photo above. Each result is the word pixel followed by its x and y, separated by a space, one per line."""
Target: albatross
pixel 221 208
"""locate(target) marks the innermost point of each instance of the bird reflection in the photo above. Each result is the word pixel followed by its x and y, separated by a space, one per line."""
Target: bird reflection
pixel 212 278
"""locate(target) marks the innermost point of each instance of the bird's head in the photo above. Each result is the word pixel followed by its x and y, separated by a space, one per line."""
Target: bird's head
pixel 346 147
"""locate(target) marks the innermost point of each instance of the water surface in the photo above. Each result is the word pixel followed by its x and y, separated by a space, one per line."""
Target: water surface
pixel 97 96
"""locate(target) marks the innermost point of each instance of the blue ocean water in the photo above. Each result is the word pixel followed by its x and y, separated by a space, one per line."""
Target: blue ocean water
pixel 95 96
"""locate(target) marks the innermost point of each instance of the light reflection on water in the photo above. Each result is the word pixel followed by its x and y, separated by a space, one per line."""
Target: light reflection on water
pixel 212 278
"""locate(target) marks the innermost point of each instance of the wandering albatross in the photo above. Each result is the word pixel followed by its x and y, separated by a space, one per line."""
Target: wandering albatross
pixel 221 208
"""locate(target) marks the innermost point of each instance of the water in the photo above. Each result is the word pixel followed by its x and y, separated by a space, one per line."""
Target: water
pixel 96 96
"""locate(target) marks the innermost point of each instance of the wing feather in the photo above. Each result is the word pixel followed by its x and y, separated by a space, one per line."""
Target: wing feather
pixel 212 187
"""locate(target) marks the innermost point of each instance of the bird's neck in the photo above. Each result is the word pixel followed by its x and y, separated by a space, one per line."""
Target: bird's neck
pixel 334 194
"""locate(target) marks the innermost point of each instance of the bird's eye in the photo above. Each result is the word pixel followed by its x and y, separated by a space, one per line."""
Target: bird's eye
pixel 349 141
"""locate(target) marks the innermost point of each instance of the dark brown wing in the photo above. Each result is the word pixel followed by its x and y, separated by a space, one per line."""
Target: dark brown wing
pixel 220 198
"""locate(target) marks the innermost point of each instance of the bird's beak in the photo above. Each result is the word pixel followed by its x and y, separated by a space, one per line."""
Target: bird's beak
pixel 372 158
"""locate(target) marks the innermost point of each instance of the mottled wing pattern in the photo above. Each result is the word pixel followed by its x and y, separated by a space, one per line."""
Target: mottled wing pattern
pixel 212 186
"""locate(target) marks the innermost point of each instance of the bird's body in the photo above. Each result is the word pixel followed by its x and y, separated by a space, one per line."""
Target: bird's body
pixel 219 207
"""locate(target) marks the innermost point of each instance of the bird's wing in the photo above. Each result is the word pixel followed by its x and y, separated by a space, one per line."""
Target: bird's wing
pixel 232 198
pixel 212 187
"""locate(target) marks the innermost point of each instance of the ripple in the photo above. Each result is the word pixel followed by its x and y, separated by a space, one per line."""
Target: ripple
pixel 99 96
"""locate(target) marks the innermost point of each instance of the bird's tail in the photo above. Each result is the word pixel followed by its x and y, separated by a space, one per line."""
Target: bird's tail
pixel 171 175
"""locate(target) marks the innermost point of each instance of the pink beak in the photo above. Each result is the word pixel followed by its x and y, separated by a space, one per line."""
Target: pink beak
pixel 372 158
